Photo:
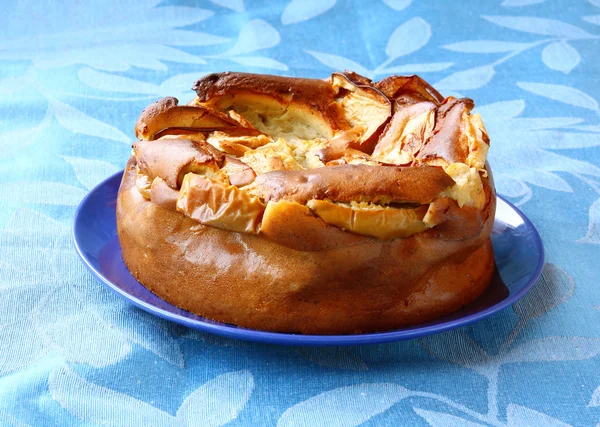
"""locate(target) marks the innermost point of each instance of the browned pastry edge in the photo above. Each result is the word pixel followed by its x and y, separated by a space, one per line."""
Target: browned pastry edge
pixel 406 90
pixel 312 92
pixel 345 183
pixel 323 103
pixel 448 128
pixel 168 158
pixel 250 281
pixel 294 272
pixel 160 115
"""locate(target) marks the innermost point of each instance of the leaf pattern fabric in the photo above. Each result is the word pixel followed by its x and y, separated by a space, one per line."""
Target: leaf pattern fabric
pixel 75 75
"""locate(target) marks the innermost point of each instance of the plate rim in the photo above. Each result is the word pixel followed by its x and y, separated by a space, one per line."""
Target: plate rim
pixel 232 331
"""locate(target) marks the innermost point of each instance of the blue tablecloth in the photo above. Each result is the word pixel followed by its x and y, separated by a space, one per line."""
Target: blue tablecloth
pixel 74 76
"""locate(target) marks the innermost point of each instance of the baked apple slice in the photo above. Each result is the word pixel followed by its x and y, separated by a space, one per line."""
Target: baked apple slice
pixel 293 108
pixel 219 205
pixel 364 107
pixel 405 134
pixel 366 219
pixel 281 107
pixel 295 226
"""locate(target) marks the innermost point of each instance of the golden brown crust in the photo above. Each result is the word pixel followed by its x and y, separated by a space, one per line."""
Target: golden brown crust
pixel 356 78
pixel 336 147
pixel 161 194
pixel 239 173
pixel 314 93
pixel 169 157
pixel 407 90
pixel 395 128
pixel 322 107
pixel 347 183
pixel 166 113
pixel 294 226
pixel 250 281
pixel 304 205
pixel 448 127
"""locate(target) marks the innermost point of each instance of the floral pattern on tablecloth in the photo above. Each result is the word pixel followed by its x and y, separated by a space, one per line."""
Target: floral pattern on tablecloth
pixel 75 75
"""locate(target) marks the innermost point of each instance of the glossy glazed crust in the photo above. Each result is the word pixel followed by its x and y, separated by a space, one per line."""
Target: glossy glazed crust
pixel 359 285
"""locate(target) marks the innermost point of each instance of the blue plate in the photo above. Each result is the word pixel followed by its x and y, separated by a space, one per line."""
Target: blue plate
pixel 517 246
